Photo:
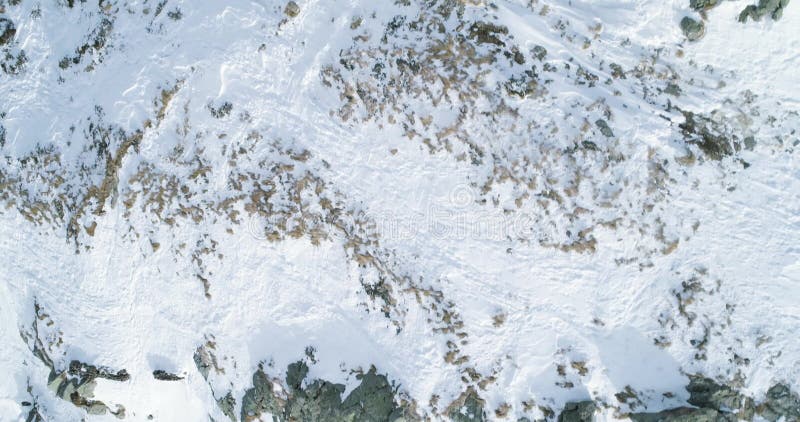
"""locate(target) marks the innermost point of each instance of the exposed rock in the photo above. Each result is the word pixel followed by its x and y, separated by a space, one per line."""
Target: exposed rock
pixel 604 128
pixel 295 374
pixel 680 414
pixel 539 52
pixel 7 30
pixel 720 403
pixel 203 361
pixel 487 33
pixel 524 85
pixel 260 399
pixel 580 411
pixel 707 393
pixel 292 9
pixel 692 29
pixel 165 376
pixel 372 400
pixel 320 401
pixel 227 404
pixel 708 136
pixel 616 71
pixel 76 384
pixel 780 402
pixel 703 4
pixel 773 8
pixel 90 372
pixel 467 408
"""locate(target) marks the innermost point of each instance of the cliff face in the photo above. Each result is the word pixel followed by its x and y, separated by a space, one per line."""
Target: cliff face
pixel 403 210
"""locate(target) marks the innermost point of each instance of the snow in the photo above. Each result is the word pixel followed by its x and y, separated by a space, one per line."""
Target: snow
pixel 123 305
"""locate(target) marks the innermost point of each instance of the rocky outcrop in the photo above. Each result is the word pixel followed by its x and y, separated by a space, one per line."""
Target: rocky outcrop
pixel 680 414
pixel 7 30
pixel 703 4
pixel 292 9
pixel 710 136
pixel 780 402
pixel 581 411
pixel 692 29
pixel 771 8
pixel 372 400
pixel 76 384
pixel 467 408
pixel 719 403
pixel 162 375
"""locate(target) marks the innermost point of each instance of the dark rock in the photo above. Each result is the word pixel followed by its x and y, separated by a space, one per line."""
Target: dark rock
pixel 89 372
pixel 681 414
pixel 673 89
pixel 780 402
pixel 706 134
pixel 487 33
pixel 706 393
pixel 292 9
pixel 604 128
pixel 260 399
pixel 749 143
pixel 372 400
pixel 227 405
pixel 224 110
pixel 467 408
pixel 692 29
pixel 523 85
pixel 320 401
pixel 203 361
pixel 580 411
pixel 616 71
pixel 165 376
pixel 295 374
pixel 7 30
pixel 773 8
pixel 703 4
pixel 539 52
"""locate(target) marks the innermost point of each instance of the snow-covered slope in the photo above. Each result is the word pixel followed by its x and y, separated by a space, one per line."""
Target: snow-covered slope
pixel 454 209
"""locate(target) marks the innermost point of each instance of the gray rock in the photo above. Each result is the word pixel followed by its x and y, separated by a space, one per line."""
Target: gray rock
pixel 780 402
pixel 203 361
pixel 703 4
pixel 749 143
pixel 692 29
pixel 7 30
pixel 487 33
pixel 90 372
pixel 581 411
pixel 539 52
pixel 295 374
pixel 292 9
pixel 165 376
pixel 227 404
pixel 681 414
pixel 773 8
pixel 320 401
pixel 371 400
pixel 708 136
pixel 706 393
pixel 604 128
pixel 468 408
pixel 260 399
